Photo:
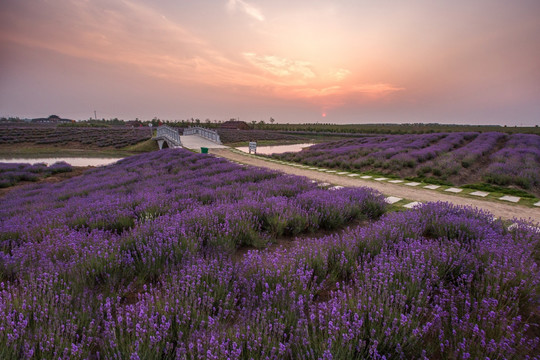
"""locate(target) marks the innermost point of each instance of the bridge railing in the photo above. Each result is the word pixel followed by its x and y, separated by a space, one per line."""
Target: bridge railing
pixel 211 135
pixel 168 132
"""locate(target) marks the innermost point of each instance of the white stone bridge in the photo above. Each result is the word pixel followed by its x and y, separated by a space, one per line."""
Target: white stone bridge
pixel 167 135
pixel 208 134
pixel 193 138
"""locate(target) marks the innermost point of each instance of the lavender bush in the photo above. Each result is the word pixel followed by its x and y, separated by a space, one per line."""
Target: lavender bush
pixel 139 260
pixel 457 158
pixel 14 173
pixel 117 137
pixel 517 163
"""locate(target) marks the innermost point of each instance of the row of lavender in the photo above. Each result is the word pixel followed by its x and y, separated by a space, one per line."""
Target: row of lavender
pixel 496 158
pixel 13 173
pixel 115 136
pixel 123 225
pixel 51 135
pixel 137 260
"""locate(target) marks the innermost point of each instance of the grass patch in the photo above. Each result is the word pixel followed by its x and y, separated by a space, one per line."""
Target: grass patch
pixel 144 146
pixel 37 151
pixel 499 189
pixel 429 180
pixel 373 173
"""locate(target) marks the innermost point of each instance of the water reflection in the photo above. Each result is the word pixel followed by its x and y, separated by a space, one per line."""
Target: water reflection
pixel 277 149
pixel 73 161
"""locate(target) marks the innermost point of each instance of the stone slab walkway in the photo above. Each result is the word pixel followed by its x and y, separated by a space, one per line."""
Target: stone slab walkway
pixel 420 194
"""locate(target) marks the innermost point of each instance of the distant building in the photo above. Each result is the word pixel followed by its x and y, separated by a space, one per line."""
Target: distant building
pixel 134 123
pixel 235 125
pixel 53 119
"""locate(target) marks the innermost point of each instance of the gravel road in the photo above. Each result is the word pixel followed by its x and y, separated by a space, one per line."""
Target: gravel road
pixel 505 211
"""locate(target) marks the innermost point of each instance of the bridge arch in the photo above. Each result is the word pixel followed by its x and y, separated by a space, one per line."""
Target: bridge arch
pixel 166 135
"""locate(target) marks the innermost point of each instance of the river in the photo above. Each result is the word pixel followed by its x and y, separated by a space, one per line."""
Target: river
pixel 73 161
pixel 277 149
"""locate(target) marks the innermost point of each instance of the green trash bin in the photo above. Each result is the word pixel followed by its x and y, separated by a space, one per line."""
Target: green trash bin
pixel 204 150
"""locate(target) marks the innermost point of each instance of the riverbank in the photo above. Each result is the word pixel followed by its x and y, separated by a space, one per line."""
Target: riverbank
pixel 29 150
pixel 76 171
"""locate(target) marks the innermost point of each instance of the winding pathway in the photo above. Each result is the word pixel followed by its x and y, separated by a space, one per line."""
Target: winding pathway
pixel 505 211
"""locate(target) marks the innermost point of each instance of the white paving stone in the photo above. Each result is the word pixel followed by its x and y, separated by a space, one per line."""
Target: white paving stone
pixel 412 204
pixel 395 181
pixel 366 177
pixel 392 199
pixel 432 187
pixel 322 169
pixel 313 168
pixel 537 204
pixel 352 175
pixel 337 187
pixel 381 179
pixel 342 173
pixel 330 171
pixel 323 184
pixel 480 193
pixel 513 199
pixel 412 184
pixel 454 190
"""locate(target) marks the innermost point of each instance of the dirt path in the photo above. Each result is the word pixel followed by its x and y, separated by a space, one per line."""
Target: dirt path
pixel 505 211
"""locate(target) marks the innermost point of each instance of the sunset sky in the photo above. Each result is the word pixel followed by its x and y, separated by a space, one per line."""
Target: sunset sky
pixel 342 61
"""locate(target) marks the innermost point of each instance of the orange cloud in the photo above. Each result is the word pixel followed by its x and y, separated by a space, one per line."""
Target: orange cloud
pixel 340 74
pixel 287 78
pixel 338 95
pixel 281 67
pixel 137 36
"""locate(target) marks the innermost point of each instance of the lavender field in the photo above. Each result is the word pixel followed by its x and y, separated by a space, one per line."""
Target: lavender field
pixel 117 137
pixel 166 255
pixel 13 173
pixel 455 158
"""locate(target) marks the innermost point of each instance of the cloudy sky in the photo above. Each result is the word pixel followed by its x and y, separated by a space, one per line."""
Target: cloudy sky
pixel 343 61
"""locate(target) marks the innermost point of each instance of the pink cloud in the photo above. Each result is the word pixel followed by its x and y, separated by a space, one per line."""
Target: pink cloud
pixel 136 36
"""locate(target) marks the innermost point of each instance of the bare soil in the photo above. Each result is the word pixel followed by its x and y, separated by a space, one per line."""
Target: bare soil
pixel 502 210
